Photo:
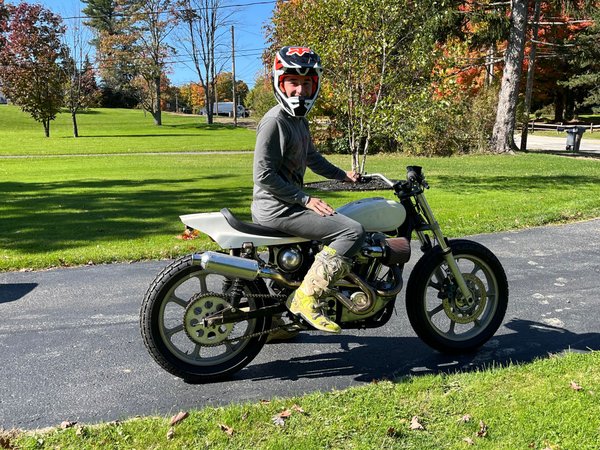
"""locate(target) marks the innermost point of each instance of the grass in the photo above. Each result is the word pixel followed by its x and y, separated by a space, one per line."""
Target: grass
pixel 117 131
pixel 548 404
pixel 62 211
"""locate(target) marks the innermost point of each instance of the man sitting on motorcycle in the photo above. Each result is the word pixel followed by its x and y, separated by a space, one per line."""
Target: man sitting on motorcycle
pixel 284 149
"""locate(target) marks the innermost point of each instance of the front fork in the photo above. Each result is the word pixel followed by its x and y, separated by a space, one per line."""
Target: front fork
pixel 434 226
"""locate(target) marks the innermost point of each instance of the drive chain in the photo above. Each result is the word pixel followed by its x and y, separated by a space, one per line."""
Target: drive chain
pixel 258 333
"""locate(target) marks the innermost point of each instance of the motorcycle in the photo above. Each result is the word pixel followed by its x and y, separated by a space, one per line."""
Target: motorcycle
pixel 208 314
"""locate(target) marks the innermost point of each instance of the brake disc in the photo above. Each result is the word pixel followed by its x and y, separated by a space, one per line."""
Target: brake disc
pixel 458 309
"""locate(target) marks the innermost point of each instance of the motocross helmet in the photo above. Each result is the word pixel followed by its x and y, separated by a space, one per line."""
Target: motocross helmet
pixel 296 61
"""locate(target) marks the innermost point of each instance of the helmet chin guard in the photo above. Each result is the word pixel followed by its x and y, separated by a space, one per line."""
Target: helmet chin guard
pixel 296 61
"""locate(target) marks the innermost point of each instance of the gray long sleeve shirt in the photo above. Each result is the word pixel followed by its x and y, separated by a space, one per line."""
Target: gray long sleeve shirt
pixel 283 151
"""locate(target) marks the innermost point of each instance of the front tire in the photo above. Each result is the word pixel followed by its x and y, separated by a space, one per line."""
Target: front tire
pixel 170 322
pixel 437 311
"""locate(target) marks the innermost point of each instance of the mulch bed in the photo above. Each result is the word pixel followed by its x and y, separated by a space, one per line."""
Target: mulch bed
pixel 335 185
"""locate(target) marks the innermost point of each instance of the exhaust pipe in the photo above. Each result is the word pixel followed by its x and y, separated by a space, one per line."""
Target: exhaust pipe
pixel 237 267
pixel 230 266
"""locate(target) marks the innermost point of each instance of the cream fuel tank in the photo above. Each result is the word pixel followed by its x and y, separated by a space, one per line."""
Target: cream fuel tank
pixel 375 214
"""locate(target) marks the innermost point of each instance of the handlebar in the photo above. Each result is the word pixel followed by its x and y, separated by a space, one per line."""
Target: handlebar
pixel 383 178
pixel 414 175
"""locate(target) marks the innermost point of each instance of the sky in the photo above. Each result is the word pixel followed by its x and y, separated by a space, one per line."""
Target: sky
pixel 248 16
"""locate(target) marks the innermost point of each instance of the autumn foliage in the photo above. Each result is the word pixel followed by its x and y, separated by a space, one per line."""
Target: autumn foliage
pixel 30 60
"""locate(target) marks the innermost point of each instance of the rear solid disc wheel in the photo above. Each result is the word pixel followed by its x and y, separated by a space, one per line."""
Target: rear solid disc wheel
pixel 171 322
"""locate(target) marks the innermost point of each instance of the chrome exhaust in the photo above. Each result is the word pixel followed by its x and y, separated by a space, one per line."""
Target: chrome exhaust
pixel 237 267
pixel 230 266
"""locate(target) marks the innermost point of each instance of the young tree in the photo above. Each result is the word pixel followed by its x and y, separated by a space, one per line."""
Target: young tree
pixel 152 23
pixel 81 90
pixel 30 62
pixel 377 56
pixel 201 22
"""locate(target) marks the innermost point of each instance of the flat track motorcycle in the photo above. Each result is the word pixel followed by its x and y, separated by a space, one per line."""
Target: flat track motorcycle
pixel 208 314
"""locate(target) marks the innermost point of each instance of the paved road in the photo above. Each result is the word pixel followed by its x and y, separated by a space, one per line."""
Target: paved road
pixel 71 348
pixel 588 146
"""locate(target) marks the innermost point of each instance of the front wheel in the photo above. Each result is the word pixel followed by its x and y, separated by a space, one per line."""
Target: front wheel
pixel 171 322
pixel 436 308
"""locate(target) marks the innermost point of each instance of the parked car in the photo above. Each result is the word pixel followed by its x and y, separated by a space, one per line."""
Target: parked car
pixel 226 109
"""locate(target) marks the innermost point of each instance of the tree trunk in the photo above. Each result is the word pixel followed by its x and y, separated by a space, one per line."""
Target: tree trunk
pixel 46 123
pixel 530 75
pixel 559 106
pixel 75 129
pixel 569 104
pixel 157 112
pixel 504 127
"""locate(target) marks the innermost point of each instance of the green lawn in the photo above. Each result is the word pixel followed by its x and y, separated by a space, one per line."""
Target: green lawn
pixel 550 404
pixel 117 131
pixel 74 210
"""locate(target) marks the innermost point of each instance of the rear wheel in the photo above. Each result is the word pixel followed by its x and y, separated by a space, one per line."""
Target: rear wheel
pixel 171 322
pixel 437 310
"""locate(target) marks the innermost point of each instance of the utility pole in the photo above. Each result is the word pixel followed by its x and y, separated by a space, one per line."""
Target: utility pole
pixel 233 77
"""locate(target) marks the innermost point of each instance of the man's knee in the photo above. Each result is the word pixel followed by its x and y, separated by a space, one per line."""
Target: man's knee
pixel 359 233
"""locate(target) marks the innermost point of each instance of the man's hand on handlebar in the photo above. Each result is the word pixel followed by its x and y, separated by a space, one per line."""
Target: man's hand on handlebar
pixel 352 176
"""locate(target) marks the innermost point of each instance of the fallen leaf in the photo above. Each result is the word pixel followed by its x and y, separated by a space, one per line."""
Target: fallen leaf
pixel 298 409
pixel 483 429
pixel 265 402
pixel 285 413
pixel 415 424
pixel 67 424
pixel 171 433
pixel 469 441
pixel 227 430
pixel 179 417
pixel 278 420
pixel 466 418
pixel 188 234
pixel 575 386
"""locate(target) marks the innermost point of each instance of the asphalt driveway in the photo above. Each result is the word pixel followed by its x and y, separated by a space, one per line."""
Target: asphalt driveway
pixel 71 347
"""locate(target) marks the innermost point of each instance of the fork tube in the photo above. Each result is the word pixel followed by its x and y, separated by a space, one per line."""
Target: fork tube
pixel 446 250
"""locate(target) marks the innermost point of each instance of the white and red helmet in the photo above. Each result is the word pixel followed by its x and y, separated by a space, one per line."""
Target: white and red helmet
pixel 296 61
